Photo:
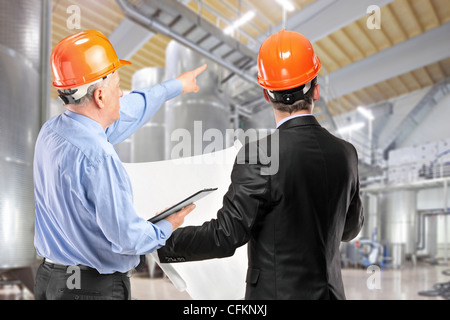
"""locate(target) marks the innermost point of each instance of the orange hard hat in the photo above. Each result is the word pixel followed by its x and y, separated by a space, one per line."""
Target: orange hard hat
pixel 83 58
pixel 286 60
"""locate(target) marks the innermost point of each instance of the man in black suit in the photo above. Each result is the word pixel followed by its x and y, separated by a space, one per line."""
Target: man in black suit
pixel 295 214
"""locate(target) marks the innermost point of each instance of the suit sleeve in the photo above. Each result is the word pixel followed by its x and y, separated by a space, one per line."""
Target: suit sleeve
pixel 244 201
pixel 355 216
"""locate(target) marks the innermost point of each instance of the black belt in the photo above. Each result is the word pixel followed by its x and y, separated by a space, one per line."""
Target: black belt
pixel 61 266
pixel 56 265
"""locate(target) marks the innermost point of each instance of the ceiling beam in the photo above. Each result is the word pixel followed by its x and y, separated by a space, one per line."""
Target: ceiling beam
pixel 322 17
pixel 333 17
pixel 420 51
pixel 128 38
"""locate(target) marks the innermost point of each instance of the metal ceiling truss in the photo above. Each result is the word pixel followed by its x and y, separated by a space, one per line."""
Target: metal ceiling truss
pixel 178 22
pixel 414 117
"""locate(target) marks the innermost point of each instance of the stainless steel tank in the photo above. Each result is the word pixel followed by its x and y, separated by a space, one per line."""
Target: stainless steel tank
pixel 195 113
pixel 370 227
pixel 148 142
pixel 398 228
pixel 20 66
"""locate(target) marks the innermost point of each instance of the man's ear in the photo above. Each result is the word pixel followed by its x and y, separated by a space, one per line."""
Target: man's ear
pixel 99 97
pixel 316 93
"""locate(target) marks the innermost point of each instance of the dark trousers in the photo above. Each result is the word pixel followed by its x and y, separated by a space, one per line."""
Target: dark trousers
pixel 56 282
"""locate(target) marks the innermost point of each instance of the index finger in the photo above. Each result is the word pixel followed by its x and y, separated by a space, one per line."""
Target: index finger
pixel 199 70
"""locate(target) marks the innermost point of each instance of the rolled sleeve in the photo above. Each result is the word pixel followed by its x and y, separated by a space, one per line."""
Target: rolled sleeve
pixel 166 228
pixel 139 106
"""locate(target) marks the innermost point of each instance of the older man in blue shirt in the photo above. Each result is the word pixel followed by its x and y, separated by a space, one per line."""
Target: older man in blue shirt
pixel 84 202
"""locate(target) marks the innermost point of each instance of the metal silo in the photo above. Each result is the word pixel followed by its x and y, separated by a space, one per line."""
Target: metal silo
pixel 20 95
pixel 195 112
pixel 398 213
pixel 148 141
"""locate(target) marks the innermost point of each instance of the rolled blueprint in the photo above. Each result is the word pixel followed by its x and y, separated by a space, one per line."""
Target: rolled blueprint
pixel 158 185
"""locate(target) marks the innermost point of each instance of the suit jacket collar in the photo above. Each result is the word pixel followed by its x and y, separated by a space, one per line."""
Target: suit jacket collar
pixel 300 121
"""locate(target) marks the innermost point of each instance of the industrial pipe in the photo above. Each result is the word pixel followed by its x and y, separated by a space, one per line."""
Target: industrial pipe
pixel 421 242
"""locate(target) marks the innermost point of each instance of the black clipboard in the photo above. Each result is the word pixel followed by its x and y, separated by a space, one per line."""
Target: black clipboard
pixel 180 205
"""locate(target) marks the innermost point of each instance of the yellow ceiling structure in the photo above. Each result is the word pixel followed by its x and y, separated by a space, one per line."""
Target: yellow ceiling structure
pixel 401 20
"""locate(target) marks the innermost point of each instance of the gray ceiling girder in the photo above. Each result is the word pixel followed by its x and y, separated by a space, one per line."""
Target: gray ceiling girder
pixel 419 51
pixel 322 17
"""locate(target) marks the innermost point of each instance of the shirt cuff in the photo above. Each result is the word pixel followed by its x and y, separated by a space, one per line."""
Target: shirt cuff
pixel 166 228
pixel 174 88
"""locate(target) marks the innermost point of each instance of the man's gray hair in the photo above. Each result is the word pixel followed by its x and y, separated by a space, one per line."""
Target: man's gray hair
pixel 88 97
pixel 90 93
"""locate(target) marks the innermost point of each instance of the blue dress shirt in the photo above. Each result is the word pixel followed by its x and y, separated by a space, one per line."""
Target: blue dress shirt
pixel 83 195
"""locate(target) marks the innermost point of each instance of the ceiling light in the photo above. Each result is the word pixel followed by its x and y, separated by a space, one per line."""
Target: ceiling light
pixel 286 5
pixel 245 18
pixel 352 127
pixel 365 113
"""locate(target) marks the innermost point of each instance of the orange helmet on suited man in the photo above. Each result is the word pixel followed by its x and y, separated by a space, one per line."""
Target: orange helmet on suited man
pixel 81 60
pixel 286 66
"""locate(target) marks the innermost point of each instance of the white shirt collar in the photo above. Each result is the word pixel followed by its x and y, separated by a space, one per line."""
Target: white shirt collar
pixel 291 117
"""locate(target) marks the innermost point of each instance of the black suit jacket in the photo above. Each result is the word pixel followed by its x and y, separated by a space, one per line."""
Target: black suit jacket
pixel 293 216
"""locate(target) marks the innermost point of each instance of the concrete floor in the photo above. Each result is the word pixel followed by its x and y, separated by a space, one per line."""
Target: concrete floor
pixel 393 284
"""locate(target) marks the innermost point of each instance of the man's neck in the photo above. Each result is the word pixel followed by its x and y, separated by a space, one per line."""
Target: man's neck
pixel 88 111
pixel 279 115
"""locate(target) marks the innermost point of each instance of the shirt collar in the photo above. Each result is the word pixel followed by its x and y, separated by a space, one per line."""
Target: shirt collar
pixel 87 122
pixel 291 117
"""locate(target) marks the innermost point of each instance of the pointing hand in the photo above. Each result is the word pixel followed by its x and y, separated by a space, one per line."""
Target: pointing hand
pixel 189 79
